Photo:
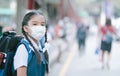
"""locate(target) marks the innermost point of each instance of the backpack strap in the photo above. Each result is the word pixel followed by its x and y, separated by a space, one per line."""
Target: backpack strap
pixel 27 45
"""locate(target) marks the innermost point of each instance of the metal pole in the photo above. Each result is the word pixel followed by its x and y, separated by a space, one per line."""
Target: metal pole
pixel 22 6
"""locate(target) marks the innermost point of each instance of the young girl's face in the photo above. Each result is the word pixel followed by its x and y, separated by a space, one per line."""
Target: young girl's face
pixel 36 26
pixel 37 20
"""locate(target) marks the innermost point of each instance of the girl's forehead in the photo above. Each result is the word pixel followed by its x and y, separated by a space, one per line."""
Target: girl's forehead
pixel 39 18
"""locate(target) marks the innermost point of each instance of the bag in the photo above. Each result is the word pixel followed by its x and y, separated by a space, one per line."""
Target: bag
pixel 108 37
pixel 97 51
pixel 8 45
pixel 81 33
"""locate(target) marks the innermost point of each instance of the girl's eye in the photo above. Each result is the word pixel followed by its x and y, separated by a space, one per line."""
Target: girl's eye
pixel 34 24
pixel 42 24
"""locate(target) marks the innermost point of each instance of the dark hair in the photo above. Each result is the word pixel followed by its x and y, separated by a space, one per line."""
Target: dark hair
pixel 28 16
pixel 25 21
pixel 108 22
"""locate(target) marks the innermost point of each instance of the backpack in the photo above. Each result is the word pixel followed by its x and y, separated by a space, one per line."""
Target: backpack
pixel 108 37
pixel 81 33
pixel 9 42
pixel 8 45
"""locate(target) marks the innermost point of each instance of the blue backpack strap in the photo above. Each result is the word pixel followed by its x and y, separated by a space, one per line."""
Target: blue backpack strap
pixel 27 45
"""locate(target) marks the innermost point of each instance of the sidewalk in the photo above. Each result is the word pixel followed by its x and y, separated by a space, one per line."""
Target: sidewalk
pixel 89 64
pixel 73 64
pixel 58 46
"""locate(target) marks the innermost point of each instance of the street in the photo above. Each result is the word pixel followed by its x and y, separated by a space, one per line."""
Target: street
pixel 87 63
pixel 59 27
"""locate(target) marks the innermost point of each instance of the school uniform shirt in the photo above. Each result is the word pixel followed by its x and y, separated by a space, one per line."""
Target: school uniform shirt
pixel 21 56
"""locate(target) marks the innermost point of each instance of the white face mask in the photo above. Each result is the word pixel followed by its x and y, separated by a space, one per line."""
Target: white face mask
pixel 38 32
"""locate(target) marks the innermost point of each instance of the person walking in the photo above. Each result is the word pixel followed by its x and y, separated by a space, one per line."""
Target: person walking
pixel 81 36
pixel 107 32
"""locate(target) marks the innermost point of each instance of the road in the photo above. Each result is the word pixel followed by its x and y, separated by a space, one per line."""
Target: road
pixel 87 63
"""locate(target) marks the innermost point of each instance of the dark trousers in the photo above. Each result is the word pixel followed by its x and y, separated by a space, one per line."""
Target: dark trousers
pixel 81 43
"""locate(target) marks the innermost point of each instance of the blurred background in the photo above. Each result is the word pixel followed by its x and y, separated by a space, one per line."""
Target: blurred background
pixel 64 17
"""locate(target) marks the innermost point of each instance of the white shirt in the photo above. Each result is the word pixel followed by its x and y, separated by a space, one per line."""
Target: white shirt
pixel 21 56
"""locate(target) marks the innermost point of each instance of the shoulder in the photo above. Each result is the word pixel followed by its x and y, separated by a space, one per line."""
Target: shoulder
pixel 111 28
pixel 21 46
pixel 21 56
pixel 102 28
pixel 21 50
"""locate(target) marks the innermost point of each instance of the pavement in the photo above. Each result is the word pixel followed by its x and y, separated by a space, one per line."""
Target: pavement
pixel 86 63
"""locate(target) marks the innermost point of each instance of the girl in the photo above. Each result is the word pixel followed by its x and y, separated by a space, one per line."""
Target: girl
pixel 33 28
pixel 106 41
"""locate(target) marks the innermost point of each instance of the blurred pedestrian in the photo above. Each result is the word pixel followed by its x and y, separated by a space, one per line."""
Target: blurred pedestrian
pixel 81 36
pixel 107 32
pixel 33 28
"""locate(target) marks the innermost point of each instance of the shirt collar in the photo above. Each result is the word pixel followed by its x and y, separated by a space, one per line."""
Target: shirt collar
pixel 38 47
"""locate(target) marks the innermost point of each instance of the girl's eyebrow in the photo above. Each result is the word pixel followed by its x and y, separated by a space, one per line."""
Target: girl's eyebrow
pixel 43 22
pixel 34 21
